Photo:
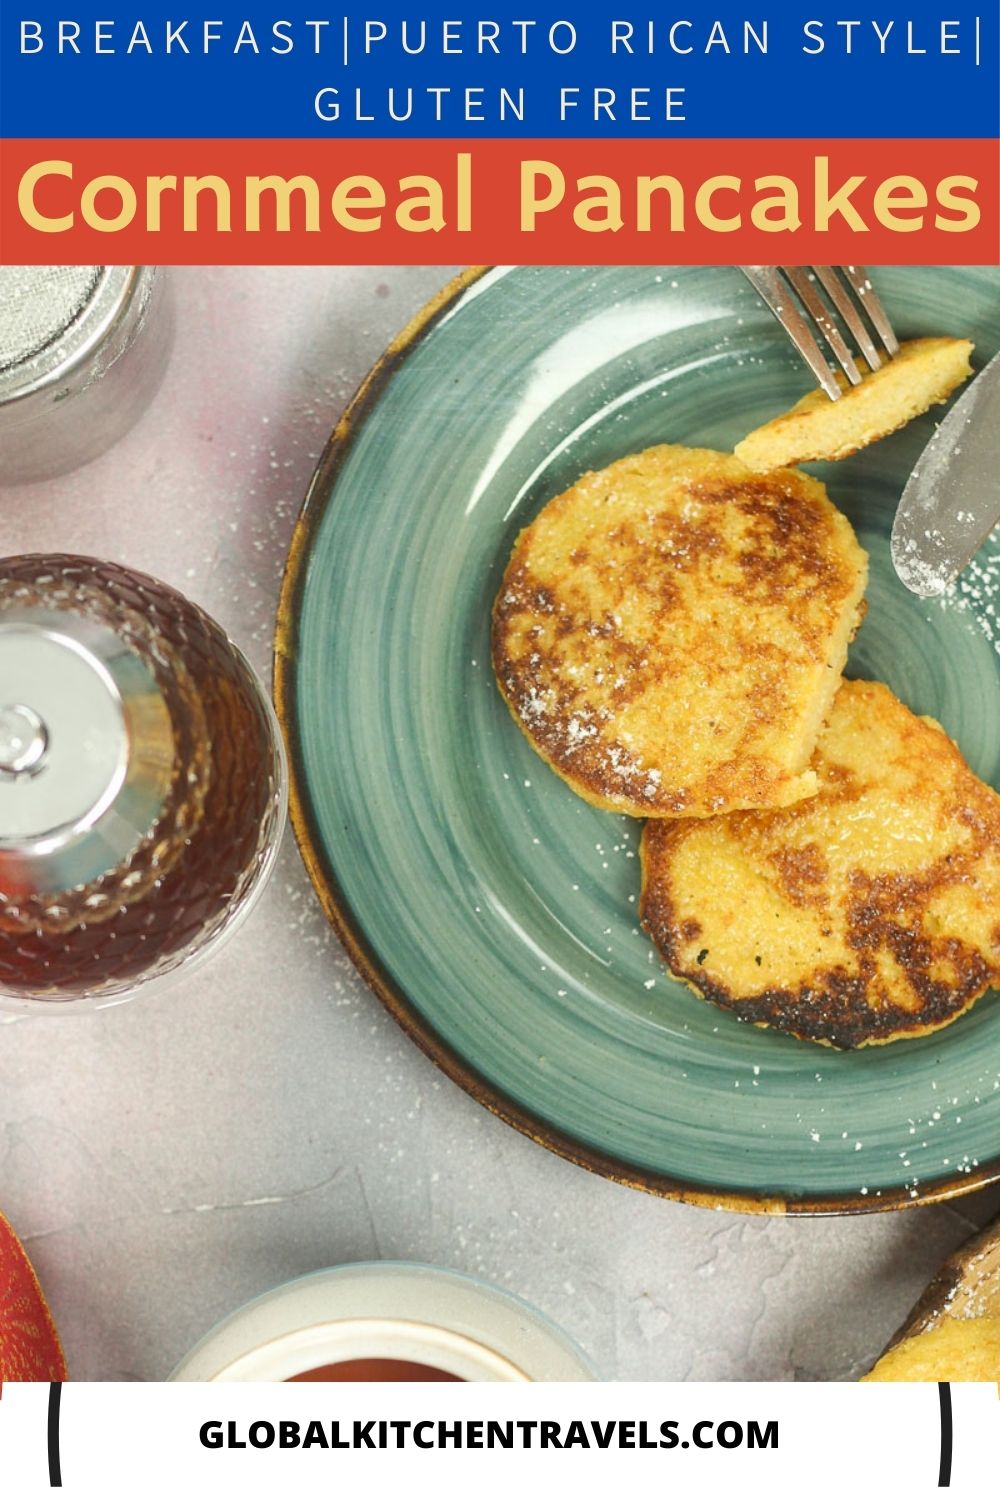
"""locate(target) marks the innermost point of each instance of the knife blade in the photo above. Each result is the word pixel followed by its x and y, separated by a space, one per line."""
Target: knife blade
pixel 951 501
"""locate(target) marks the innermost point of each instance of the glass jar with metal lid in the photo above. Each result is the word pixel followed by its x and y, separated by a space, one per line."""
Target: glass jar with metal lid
pixel 82 351
pixel 142 781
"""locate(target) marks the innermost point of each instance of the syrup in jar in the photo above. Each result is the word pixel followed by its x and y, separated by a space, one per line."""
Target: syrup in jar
pixel 142 781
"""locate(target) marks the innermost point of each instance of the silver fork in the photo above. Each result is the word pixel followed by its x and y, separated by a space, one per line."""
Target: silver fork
pixel 794 298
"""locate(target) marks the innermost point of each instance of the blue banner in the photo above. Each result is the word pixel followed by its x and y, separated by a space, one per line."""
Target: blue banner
pixel 600 70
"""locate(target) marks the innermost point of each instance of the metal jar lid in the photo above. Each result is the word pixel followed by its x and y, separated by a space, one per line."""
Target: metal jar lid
pixel 82 349
pixel 53 316
pixel 86 750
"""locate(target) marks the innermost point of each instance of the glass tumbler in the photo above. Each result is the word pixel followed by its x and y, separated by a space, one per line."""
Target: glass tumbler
pixel 143 787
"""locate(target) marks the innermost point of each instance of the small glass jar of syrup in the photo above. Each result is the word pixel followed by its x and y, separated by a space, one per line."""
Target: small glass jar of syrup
pixel 142 782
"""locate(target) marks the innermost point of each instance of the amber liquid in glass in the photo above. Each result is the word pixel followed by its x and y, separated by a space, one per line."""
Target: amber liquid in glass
pixel 376 1369
pixel 203 850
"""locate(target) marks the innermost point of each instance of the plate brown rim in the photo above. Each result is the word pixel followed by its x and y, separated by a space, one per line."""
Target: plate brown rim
pixel 348 929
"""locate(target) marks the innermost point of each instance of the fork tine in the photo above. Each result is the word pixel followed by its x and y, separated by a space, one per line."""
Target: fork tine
pixel 869 299
pixel 779 297
pixel 820 313
pixel 849 312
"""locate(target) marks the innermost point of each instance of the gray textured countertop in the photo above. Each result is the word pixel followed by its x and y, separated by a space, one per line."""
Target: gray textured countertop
pixel 169 1159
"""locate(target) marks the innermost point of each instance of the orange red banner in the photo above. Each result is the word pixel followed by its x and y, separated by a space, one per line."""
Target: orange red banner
pixel 540 201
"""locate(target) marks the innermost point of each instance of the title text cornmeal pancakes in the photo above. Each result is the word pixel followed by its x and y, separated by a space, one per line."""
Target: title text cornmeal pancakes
pixel 670 632
pixel 869 913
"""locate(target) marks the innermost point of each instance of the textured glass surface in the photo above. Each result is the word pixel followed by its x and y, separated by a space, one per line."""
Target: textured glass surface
pixel 195 868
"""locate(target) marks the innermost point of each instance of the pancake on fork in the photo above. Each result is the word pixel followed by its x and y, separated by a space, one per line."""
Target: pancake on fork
pixel 670 632
pixel 867 914
pixel 923 374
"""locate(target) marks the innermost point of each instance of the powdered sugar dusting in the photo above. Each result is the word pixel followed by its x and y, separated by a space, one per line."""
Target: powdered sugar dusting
pixel 976 592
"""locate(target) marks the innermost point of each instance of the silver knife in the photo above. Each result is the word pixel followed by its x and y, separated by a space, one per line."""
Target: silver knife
pixel 951 502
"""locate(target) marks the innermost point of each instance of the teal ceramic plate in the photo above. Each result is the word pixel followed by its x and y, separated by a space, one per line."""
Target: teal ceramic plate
pixel 493 911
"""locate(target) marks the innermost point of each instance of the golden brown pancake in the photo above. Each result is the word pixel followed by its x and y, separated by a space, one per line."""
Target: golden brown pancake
pixel 869 913
pixel 953 1333
pixel 957 1349
pixel 670 632
pixel 924 372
